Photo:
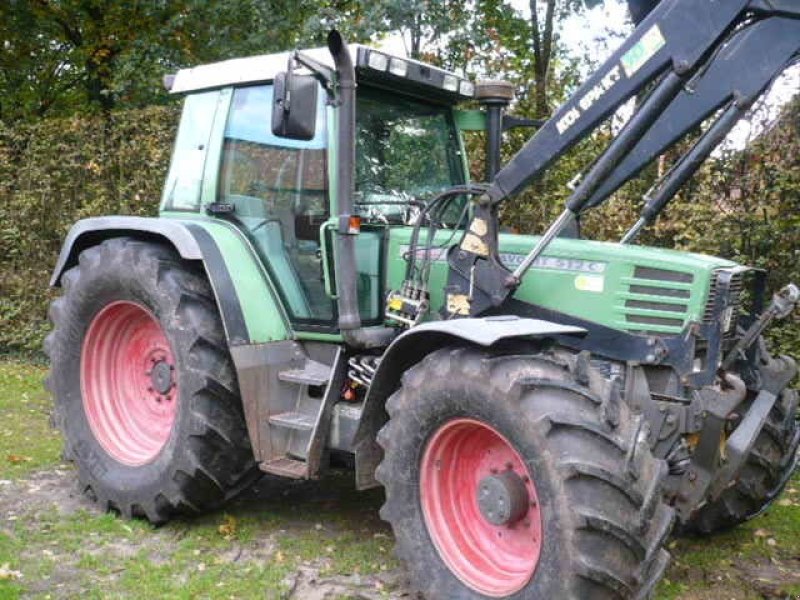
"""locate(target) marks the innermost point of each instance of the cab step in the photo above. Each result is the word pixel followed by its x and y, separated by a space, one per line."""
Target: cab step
pixel 293 420
pixel 312 373
pixel 286 467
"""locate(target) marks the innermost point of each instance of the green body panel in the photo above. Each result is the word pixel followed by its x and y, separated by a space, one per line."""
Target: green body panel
pixel 263 313
pixel 470 120
pixel 592 280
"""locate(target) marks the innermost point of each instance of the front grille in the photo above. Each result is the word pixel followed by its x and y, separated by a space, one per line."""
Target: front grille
pixel 671 302
pixel 734 298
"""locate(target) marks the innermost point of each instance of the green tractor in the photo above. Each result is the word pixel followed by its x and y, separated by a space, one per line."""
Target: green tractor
pixel 325 286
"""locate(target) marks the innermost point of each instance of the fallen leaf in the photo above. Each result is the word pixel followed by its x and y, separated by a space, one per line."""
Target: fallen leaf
pixel 279 557
pixel 7 573
pixel 772 542
pixel 228 527
pixel 785 502
pixel 201 567
pixel 761 533
pixel 16 459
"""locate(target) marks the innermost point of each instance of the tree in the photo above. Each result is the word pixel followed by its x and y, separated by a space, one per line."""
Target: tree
pixel 67 56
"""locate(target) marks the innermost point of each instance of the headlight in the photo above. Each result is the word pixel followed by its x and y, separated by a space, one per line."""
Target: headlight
pixel 398 67
pixel 378 61
pixel 450 83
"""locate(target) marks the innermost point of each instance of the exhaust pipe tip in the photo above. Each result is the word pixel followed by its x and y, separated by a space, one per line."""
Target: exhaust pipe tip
pixel 490 91
pixel 336 43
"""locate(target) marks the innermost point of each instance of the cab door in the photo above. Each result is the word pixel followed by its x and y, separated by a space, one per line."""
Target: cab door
pixel 279 192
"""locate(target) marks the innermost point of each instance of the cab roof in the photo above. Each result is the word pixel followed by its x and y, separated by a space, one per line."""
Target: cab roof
pixel 373 67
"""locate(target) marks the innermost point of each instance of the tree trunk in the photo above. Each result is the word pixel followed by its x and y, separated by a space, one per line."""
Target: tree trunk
pixel 542 38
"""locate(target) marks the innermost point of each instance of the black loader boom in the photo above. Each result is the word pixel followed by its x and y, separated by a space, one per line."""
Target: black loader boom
pixel 696 59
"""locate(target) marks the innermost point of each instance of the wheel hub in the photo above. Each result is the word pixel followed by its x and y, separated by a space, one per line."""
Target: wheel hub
pixel 129 386
pixel 502 498
pixel 161 376
pixel 480 506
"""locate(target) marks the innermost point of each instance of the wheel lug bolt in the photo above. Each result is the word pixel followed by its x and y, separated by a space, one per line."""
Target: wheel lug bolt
pixel 493 471
pixel 509 466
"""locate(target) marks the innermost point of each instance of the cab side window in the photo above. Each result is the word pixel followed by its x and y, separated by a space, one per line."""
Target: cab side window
pixel 279 190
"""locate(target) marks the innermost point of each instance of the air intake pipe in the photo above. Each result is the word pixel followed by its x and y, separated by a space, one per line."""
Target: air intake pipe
pixel 346 271
pixel 346 267
pixel 495 96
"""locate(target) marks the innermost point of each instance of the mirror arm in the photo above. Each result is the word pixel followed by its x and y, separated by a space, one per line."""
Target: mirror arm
pixel 322 73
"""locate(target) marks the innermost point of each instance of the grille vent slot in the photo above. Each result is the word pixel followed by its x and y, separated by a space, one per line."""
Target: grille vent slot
pixel 662 275
pixel 660 298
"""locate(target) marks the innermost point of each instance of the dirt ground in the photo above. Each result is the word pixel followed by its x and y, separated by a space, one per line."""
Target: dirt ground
pixel 298 512
pixel 52 496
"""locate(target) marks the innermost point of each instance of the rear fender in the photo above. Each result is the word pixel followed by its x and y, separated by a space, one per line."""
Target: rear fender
pixel 247 300
pixel 413 346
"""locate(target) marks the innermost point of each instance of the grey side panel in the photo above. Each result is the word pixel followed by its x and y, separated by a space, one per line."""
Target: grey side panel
pixel 416 343
pixel 88 232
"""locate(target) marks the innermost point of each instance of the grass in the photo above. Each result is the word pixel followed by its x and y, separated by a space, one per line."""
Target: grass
pixel 27 442
pixel 55 545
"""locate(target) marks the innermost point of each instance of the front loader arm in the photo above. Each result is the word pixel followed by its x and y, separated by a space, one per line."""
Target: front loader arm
pixel 675 36
pixel 672 48
pixel 738 74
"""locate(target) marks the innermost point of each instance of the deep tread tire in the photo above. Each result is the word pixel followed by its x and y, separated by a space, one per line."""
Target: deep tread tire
pixel 207 458
pixel 763 476
pixel 600 488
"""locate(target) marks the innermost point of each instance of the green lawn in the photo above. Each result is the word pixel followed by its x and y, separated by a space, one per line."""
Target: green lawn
pixel 27 442
pixel 284 537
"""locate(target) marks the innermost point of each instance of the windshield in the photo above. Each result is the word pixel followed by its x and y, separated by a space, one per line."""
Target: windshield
pixel 405 151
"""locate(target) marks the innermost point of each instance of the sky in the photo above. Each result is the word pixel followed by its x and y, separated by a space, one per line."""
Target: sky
pixel 588 31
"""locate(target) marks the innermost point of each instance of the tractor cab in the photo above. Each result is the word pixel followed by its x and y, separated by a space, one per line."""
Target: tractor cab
pixel 278 189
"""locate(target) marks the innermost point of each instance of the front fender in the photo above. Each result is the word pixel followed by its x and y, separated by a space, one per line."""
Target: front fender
pixel 416 343
pixel 246 297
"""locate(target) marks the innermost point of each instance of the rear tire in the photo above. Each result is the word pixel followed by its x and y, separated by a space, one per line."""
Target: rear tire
pixel 765 473
pixel 602 518
pixel 144 388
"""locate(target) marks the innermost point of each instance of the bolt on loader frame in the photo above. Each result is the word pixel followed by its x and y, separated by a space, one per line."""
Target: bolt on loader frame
pixel 325 286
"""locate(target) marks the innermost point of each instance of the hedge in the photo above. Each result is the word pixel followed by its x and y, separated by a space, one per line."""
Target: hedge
pixel 53 173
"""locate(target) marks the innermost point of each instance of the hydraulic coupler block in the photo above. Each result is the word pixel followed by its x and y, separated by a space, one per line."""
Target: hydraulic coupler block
pixel 408 305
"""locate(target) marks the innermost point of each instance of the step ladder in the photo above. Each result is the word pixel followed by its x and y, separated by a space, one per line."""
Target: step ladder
pixel 305 393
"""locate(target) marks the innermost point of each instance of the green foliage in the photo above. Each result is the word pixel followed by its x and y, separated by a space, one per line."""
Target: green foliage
pixel 57 171
pixel 61 57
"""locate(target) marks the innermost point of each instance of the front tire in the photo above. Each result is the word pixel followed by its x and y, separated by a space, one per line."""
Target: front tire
pixel 594 520
pixel 144 388
pixel 764 474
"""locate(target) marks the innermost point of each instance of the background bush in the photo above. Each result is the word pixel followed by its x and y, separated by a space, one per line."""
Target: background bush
pixel 743 205
pixel 54 172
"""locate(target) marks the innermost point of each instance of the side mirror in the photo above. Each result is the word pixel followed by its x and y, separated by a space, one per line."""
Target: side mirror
pixel 294 106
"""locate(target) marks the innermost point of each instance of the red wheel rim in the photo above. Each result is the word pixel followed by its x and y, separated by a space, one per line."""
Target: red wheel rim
pixel 495 560
pixel 128 383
